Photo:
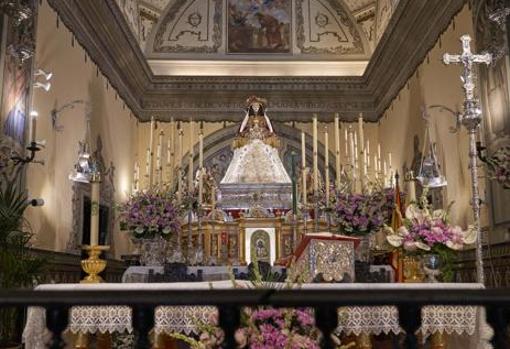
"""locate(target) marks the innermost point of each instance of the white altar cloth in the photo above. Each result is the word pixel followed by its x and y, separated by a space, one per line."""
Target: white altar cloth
pixel 457 320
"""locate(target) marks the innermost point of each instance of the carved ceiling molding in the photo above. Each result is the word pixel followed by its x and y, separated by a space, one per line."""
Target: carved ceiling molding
pixel 168 32
pixel 412 31
pixel 348 33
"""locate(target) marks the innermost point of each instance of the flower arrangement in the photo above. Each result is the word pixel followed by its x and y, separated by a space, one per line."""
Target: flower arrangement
pixel 278 328
pixel 499 166
pixel 425 231
pixel 150 214
pixel 361 214
pixel 265 327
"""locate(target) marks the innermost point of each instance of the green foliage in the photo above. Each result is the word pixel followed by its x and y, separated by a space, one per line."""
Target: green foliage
pixel 18 269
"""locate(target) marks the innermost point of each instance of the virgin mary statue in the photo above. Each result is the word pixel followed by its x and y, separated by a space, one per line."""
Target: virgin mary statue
pixel 256 175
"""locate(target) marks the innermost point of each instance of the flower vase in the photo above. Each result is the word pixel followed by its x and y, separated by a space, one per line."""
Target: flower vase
pixel 153 251
pixel 362 253
pixel 432 264
pixel 413 271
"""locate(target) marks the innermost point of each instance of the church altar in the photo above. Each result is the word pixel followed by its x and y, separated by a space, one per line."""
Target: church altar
pixel 464 324
pixel 228 240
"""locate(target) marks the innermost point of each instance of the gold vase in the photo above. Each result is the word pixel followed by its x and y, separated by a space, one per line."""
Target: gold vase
pixel 93 265
pixel 413 269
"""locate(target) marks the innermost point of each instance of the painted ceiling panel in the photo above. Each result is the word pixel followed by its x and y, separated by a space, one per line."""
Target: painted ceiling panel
pixel 204 29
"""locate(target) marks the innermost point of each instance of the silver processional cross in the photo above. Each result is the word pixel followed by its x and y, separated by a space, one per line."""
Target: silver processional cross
pixel 471 119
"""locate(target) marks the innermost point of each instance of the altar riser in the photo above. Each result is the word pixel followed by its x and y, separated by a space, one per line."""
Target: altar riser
pixel 226 241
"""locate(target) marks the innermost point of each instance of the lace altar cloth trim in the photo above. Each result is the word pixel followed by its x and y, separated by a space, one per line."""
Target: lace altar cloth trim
pixel 352 320
pixel 372 320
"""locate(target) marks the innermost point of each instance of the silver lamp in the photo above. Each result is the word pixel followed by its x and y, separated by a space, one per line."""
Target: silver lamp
pixel 429 175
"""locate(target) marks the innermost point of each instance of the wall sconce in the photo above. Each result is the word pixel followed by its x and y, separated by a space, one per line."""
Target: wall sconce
pixel 46 75
pixel 33 147
pixel 46 86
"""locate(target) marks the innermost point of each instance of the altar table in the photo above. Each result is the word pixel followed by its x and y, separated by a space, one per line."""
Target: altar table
pixel 463 322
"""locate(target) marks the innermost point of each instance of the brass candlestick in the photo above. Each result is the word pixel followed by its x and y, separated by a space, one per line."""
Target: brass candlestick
pixel 93 265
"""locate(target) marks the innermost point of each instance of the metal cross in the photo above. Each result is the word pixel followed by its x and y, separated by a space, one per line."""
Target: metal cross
pixel 467 58
pixel 471 118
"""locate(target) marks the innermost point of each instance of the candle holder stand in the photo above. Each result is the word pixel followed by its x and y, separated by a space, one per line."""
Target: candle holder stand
pixel 189 255
pixel 93 265
pixel 199 253
pixel 32 148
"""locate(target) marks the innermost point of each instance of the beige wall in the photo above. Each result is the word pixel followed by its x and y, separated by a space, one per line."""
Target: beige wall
pixel 435 84
pixel 74 78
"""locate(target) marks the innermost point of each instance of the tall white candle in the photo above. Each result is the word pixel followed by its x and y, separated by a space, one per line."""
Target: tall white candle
pixel 303 150
pixel 315 157
pixel 361 133
pixel 389 160
pixel 169 151
pixel 365 165
pixel 147 163
pixel 326 167
pixel 190 163
pixel 352 158
pixel 356 149
pixel 136 169
pixel 159 151
pixel 303 167
pixel 376 168
pixel 379 159
pixel 200 185
pixel 412 191
pixel 151 149
pixel 201 167
pixel 201 150
pixel 94 213
pixel 179 166
pixel 346 136
pixel 337 150
pixel 33 126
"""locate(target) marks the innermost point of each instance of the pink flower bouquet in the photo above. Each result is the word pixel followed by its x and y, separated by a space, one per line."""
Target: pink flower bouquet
pixel 428 231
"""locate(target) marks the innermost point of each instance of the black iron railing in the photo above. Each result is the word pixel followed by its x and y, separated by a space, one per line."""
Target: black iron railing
pixel 230 302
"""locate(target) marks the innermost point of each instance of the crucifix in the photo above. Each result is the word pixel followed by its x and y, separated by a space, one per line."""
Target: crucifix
pixel 471 117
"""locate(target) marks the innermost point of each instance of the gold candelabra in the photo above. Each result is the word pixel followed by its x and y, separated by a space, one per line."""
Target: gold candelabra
pixel 93 265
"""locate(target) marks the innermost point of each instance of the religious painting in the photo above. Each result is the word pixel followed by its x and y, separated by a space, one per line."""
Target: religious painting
pixel 259 26
pixel 16 83
pixel 260 247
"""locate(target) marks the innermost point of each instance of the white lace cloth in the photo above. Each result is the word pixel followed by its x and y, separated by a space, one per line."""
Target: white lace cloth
pixel 352 320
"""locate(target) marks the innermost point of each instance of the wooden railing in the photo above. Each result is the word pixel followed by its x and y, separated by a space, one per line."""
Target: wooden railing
pixel 230 302
pixel 496 266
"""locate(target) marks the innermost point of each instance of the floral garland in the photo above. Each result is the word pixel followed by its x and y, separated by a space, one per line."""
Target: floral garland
pixel 361 214
pixel 499 166
pixel 149 214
